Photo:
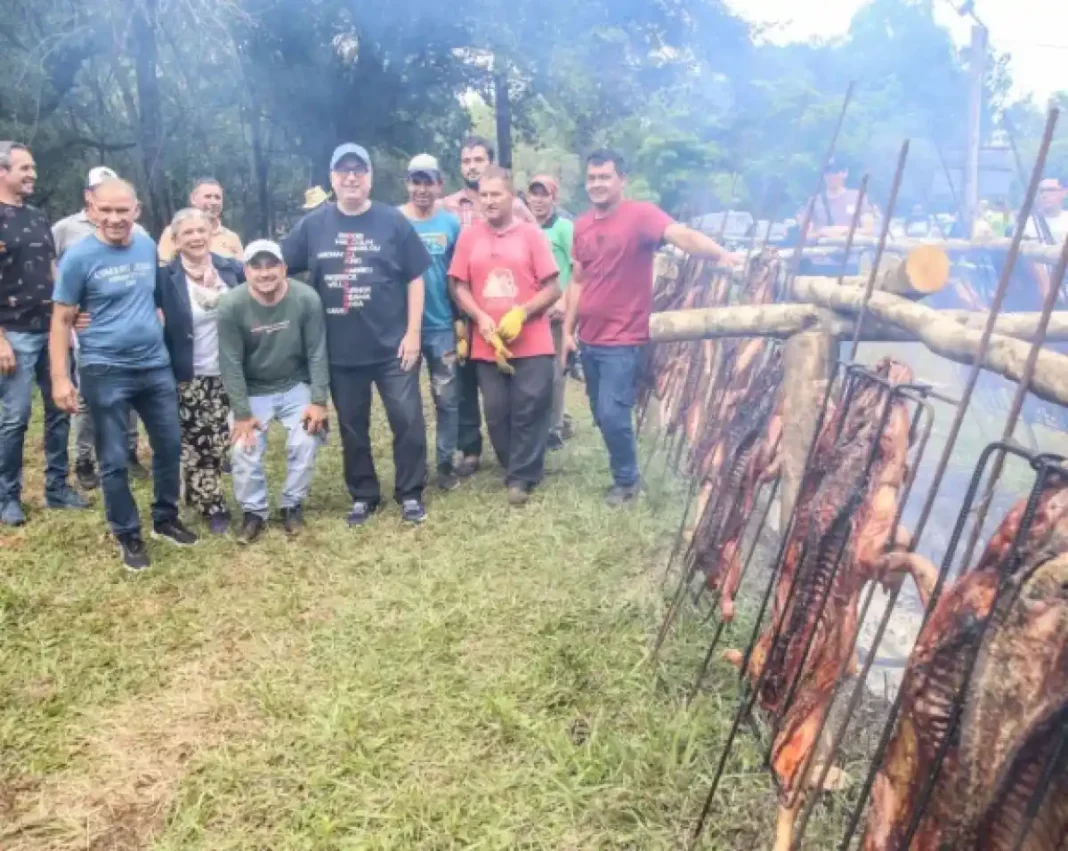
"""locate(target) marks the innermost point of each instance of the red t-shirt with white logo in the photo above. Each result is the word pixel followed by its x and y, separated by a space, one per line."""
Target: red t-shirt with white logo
pixel 505 269
pixel 616 254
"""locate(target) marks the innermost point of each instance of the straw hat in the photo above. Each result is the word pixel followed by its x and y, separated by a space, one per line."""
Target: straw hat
pixel 314 197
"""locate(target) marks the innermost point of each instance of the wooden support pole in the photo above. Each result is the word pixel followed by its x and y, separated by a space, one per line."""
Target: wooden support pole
pixel 781 321
pixel 1006 356
pixel 807 360
pixel 1030 250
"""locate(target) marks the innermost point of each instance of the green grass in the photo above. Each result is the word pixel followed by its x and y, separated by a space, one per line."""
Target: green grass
pixel 480 682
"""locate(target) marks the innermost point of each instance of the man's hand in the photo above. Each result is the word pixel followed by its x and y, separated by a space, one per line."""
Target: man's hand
pixel 81 321
pixel 409 350
pixel 511 324
pixel 65 395
pixel 8 364
pixel 486 327
pixel 463 345
pixel 244 432
pixel 501 353
pixel 734 259
pixel 568 346
pixel 314 418
pixel 557 312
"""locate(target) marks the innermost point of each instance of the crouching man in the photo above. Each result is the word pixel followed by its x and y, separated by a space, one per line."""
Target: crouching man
pixel 272 360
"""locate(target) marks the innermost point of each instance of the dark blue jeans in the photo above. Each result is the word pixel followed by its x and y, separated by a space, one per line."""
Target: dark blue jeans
pixel 439 351
pixel 611 383
pixel 110 392
pixel 16 396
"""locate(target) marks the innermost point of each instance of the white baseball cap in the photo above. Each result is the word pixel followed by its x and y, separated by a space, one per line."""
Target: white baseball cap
pixel 263 246
pixel 98 175
pixel 424 164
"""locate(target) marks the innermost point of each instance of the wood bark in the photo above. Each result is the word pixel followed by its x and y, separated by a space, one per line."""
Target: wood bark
pixel 807 360
pixel 1029 249
pixel 503 105
pixel 1005 356
pixel 781 321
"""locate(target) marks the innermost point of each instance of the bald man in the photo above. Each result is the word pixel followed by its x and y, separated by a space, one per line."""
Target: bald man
pixel 123 363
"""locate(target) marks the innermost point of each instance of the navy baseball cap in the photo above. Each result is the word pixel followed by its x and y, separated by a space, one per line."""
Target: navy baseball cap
pixel 349 149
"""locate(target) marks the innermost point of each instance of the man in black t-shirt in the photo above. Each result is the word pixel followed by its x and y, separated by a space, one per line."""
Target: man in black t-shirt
pixel 27 273
pixel 366 261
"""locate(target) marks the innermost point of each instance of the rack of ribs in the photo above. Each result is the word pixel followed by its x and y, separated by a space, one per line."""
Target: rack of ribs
pixel 1015 711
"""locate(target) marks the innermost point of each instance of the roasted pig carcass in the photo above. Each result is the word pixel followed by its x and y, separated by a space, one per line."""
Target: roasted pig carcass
pixel 936 676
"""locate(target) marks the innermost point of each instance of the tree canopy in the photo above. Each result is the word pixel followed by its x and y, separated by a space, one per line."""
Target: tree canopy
pixel 257 93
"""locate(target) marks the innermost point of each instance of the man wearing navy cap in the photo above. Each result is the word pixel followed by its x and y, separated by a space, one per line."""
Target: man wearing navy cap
pixel 367 262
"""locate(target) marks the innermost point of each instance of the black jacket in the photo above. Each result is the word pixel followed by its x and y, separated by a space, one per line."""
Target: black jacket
pixel 172 297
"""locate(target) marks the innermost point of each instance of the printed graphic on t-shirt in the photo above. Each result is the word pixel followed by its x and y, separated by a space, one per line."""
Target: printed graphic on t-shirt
pixel 500 284
pixel 436 243
pixel 270 328
pixel 122 274
pixel 352 248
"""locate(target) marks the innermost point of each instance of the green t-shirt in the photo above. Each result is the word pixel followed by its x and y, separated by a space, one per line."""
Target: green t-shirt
pixel 561 233
pixel 265 350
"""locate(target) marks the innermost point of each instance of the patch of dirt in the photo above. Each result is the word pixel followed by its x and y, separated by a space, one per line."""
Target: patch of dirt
pixel 118 794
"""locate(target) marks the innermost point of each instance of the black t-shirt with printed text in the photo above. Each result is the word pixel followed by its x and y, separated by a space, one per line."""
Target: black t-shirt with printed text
pixel 361 267
pixel 27 253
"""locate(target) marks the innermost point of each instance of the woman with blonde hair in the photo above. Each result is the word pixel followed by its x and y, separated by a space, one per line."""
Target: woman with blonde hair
pixel 188 290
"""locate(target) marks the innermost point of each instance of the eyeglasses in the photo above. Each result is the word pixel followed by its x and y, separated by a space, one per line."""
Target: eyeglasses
pixel 351 171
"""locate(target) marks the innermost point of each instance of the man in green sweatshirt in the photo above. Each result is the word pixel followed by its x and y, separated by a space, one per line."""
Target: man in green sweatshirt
pixel 272 359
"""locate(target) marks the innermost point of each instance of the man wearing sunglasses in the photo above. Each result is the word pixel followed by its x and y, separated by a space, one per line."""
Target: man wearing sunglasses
pixel 366 261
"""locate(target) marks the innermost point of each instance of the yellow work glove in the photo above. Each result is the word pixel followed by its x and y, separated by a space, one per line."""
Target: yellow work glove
pixel 511 324
pixel 463 346
pixel 501 354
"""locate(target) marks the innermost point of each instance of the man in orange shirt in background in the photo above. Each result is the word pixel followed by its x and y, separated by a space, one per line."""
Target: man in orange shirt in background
pixel 504 278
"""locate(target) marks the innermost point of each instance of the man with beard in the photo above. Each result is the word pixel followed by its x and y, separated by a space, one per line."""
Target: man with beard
pixel 67 233
pixel 367 263
pixel 124 362
pixel 27 272
pixel 207 195
pixel 610 298
pixel 505 279
pixel 476 155
pixel 439 230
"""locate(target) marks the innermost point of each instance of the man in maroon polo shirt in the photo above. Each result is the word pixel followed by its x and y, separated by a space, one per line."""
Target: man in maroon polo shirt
pixel 610 299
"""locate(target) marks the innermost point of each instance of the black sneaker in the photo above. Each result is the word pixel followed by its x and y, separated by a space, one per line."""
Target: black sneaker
pixel 85 475
pixel 134 554
pixel 251 528
pixel 218 522
pixel 467 466
pixel 620 495
pixel 226 468
pixel 555 441
pixel 518 495
pixel 448 480
pixel 293 520
pixel 137 470
pixel 361 512
pixel 412 511
pixel 175 532
pixel 66 497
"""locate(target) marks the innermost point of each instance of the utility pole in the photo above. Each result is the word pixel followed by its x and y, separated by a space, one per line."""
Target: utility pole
pixel 502 103
pixel 976 69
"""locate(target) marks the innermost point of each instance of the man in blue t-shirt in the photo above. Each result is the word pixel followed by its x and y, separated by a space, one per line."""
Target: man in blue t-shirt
pixel 439 230
pixel 123 363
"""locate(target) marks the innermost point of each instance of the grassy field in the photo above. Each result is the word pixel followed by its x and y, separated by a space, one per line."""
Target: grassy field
pixel 480 682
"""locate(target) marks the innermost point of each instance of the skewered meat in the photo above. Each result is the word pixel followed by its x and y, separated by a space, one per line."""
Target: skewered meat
pixel 935 677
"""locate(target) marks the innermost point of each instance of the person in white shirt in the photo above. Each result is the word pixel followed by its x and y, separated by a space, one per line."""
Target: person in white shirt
pixel 1050 220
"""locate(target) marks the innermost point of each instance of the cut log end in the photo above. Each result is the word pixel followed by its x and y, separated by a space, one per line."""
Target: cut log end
pixel 927 269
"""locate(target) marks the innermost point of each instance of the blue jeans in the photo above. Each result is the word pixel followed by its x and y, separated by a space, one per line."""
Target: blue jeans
pixel 612 383
pixel 246 463
pixel 16 396
pixel 110 392
pixel 439 350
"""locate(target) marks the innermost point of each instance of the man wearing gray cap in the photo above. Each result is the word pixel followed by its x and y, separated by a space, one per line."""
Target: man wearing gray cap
pixel 439 229
pixel 66 233
pixel 367 263
pixel 272 360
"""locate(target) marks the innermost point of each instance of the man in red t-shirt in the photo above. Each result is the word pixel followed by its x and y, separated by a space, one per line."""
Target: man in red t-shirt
pixel 504 278
pixel 610 298
pixel 476 155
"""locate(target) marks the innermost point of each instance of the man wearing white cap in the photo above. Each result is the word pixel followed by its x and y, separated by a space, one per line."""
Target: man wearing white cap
pixel 367 263
pixel 439 229
pixel 272 360
pixel 65 233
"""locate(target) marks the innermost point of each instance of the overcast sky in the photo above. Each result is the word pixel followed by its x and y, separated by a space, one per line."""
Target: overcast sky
pixel 1034 32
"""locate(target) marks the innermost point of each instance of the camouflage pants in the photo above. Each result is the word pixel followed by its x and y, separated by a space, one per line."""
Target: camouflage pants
pixel 202 412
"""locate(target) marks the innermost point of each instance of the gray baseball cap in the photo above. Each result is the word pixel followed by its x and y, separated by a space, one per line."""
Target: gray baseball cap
pixel 98 175
pixel 425 164
pixel 349 149
pixel 263 246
